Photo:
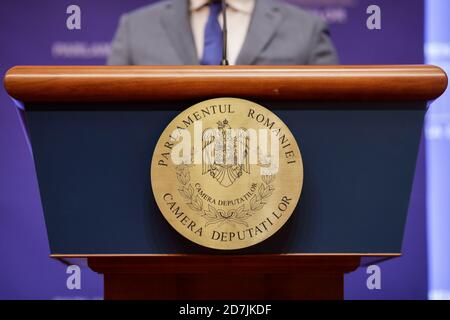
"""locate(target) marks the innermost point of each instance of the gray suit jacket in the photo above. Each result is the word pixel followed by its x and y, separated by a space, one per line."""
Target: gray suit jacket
pixel 279 34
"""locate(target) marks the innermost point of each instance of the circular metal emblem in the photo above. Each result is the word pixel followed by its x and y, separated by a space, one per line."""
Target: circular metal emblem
pixel 227 173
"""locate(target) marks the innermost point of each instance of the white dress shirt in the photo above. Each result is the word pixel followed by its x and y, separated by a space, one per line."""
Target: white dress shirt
pixel 239 14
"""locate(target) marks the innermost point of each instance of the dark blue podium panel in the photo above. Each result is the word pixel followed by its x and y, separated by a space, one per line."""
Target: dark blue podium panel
pixel 93 167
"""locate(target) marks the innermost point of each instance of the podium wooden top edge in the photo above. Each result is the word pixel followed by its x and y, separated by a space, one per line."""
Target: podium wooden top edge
pixel 176 83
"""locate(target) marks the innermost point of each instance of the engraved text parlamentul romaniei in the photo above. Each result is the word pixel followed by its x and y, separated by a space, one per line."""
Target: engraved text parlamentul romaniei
pixel 227 173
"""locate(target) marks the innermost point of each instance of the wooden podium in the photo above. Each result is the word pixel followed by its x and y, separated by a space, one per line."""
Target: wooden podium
pixel 93 131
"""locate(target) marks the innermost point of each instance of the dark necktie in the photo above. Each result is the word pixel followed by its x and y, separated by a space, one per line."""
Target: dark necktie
pixel 212 52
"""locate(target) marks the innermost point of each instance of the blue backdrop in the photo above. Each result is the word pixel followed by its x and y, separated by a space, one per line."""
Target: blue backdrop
pixel 438 153
pixel 35 33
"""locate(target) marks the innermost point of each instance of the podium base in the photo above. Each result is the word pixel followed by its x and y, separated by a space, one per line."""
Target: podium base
pixel 210 277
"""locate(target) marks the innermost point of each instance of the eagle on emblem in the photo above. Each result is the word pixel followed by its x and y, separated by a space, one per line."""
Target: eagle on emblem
pixel 234 149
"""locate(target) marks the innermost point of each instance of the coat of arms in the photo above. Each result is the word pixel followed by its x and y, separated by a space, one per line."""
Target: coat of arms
pixel 233 161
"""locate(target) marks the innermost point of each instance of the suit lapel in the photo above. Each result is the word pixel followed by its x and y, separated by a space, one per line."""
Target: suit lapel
pixel 265 21
pixel 175 20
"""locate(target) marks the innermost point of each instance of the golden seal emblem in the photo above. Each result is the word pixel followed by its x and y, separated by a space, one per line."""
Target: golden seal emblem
pixel 227 173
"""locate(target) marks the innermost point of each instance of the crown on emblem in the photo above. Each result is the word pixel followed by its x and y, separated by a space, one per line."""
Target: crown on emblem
pixel 222 124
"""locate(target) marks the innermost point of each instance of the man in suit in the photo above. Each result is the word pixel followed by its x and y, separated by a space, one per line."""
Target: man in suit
pixel 188 32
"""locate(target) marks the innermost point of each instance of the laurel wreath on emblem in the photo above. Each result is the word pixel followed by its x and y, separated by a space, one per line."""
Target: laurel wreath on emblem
pixel 214 215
